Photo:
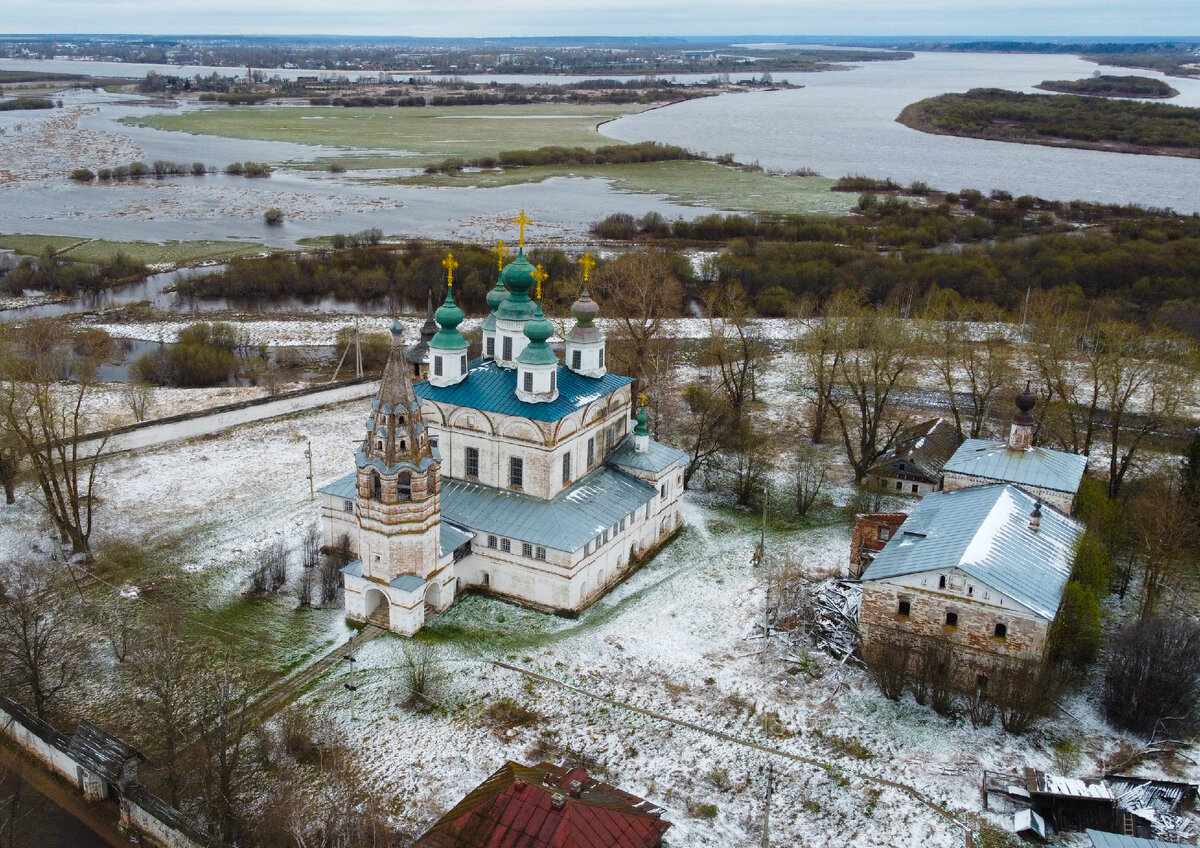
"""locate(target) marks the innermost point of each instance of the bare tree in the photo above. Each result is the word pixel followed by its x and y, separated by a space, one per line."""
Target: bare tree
pixel 868 379
pixel 746 459
pixel 967 345
pixel 10 460
pixel 639 290
pixel 41 655
pixel 732 349
pixel 702 427
pixel 421 676
pixel 1146 374
pixel 138 396
pixel 809 478
pixel 1153 677
pixel 222 723
pixel 1067 364
pixel 47 418
pixel 823 346
pixel 1163 529
pixel 163 675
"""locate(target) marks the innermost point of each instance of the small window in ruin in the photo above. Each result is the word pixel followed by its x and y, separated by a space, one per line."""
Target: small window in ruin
pixel 1001 631
pixel 942 582
pixel 884 534
pixel 915 488
pixel 981 682
pixel 904 608
pixel 952 619
pixel 899 485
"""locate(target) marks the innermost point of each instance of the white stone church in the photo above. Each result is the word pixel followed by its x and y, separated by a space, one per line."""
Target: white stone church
pixel 512 473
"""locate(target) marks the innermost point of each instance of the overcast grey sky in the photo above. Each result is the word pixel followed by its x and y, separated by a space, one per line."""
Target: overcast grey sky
pixel 608 17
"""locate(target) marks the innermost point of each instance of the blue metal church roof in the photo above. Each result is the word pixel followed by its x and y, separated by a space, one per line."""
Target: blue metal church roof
pixel 490 388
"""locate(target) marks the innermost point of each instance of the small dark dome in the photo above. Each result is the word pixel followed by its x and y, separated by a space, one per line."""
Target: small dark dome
pixel 1026 399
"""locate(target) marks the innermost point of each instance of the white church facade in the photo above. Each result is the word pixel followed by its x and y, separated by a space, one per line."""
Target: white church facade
pixel 513 473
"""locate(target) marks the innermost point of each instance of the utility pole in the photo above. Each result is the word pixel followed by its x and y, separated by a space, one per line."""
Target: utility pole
pixel 308 453
pixel 349 657
pixel 766 834
pixel 357 350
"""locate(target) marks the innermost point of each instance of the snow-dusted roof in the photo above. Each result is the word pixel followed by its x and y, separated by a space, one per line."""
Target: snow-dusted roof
pixel 565 522
pixel 658 457
pixel 1103 839
pixel 984 532
pixel 1040 467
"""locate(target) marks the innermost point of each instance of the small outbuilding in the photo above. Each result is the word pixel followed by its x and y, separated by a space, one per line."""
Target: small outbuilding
pixel 914 466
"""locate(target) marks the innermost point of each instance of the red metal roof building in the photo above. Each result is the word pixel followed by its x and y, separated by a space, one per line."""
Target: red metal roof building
pixel 547 806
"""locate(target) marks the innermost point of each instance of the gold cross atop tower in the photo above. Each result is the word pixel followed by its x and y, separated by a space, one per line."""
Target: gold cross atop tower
pixel 587 263
pixel 450 263
pixel 521 221
pixel 642 397
pixel 500 253
pixel 539 275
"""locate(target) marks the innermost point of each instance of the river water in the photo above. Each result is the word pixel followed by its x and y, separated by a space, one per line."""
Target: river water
pixel 839 123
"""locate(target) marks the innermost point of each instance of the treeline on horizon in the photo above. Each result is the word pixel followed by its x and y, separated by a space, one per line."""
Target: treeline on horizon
pixel 612 154
pixel 1001 115
pixel 1144 264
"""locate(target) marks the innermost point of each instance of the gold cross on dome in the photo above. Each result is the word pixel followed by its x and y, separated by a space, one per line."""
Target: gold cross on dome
pixel 587 263
pixel 521 221
pixel 539 275
pixel 500 254
pixel 449 263
pixel 642 397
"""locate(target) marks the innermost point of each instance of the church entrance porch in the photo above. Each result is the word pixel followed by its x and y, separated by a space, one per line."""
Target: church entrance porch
pixel 377 609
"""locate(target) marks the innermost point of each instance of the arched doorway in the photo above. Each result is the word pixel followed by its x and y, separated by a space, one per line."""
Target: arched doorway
pixel 433 596
pixel 376 608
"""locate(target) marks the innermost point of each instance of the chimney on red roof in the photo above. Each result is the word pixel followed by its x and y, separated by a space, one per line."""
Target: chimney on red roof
pixel 576 788
pixel 558 800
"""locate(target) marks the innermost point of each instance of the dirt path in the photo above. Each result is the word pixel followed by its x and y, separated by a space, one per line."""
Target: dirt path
pixel 766 749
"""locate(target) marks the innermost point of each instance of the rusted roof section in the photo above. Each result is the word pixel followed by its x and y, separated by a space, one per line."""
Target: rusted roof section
pixel 921 451
pixel 546 806
pixel 100 752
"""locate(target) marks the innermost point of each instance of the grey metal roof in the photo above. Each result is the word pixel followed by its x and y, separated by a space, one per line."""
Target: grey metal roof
pixel 1103 839
pixel 353 568
pixel 984 532
pixel 658 457
pixel 1041 467
pixel 453 538
pixel 490 388
pixel 407 583
pixel 565 522
pixel 343 487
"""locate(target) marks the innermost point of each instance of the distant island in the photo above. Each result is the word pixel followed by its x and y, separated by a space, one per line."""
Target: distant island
pixel 1064 120
pixel 1106 85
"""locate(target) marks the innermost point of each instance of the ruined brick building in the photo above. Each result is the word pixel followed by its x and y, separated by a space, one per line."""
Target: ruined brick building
pixel 511 473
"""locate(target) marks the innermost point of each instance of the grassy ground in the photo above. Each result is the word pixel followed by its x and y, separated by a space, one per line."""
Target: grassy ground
pixel 432 132
pixel 150 253
pixel 699 183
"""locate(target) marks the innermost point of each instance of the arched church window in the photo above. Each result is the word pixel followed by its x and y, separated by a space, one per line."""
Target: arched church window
pixel 376 487
pixel 404 484
pixel 379 445
pixel 403 445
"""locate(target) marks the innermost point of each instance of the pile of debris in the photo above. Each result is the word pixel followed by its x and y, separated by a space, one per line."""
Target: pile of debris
pixel 833 608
